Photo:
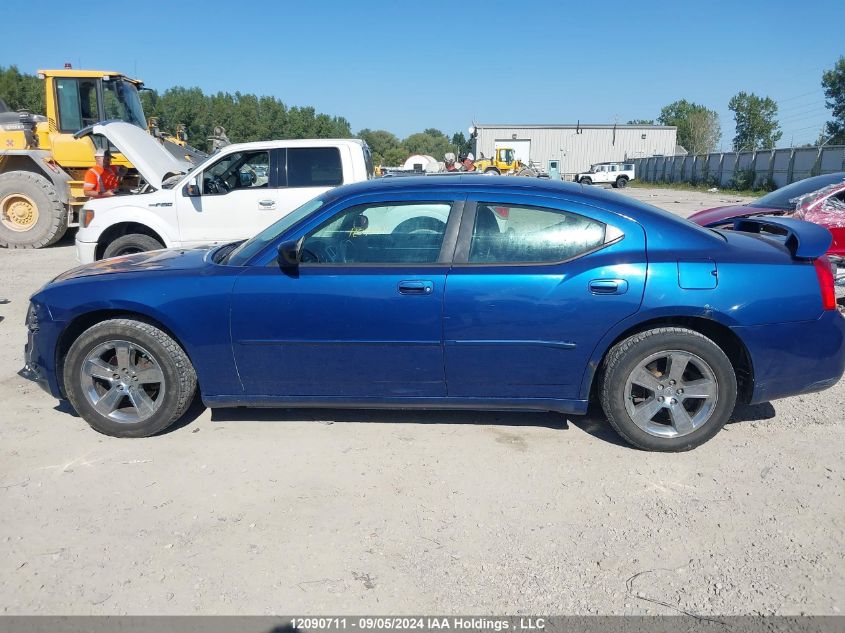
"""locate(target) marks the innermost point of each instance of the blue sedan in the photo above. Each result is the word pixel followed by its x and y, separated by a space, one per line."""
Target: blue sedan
pixel 453 292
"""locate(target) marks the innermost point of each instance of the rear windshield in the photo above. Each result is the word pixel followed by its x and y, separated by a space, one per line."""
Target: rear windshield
pixel 780 199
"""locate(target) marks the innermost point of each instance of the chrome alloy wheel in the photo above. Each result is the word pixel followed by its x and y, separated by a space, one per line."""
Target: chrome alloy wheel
pixel 671 393
pixel 122 381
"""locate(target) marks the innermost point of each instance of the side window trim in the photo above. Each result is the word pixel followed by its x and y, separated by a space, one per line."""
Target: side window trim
pixel 281 167
pixel 613 235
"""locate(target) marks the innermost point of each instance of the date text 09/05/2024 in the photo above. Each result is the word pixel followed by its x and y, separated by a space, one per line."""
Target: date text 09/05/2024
pixel 420 623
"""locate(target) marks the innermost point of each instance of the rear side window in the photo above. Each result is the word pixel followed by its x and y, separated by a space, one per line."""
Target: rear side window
pixel 520 235
pixel 314 167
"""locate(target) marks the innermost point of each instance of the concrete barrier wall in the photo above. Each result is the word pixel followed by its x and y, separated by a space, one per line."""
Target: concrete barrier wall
pixel 776 166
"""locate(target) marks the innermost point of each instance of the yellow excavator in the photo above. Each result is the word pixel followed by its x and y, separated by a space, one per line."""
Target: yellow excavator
pixel 43 163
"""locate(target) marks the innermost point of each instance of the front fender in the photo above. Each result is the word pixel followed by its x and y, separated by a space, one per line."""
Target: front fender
pixel 108 218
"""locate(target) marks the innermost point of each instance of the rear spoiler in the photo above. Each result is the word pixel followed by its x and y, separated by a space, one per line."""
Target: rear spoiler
pixel 805 240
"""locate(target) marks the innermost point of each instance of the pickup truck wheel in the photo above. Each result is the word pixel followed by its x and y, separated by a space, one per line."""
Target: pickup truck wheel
pixel 667 389
pixel 132 243
pixel 586 181
pixel 621 182
pixel 31 214
pixel 127 378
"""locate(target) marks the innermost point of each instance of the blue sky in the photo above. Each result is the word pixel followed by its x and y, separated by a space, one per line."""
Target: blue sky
pixel 406 66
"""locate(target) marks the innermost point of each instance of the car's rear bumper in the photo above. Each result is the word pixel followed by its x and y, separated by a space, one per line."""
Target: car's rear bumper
pixel 793 358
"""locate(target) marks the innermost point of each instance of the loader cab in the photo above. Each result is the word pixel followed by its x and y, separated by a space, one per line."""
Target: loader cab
pixel 76 99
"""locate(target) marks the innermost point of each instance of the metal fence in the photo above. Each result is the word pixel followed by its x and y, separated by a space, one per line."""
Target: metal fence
pixel 764 168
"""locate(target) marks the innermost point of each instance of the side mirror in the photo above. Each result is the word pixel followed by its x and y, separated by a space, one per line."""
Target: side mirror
pixel 192 189
pixel 289 254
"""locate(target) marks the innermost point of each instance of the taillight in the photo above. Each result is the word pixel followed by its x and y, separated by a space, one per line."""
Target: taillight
pixel 825 274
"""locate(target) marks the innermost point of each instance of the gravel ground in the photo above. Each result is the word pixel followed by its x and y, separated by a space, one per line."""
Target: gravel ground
pixel 411 512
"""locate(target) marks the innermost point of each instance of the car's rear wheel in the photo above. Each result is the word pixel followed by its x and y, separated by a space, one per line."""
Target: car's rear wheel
pixel 127 378
pixel 130 244
pixel 586 181
pixel 667 389
pixel 621 182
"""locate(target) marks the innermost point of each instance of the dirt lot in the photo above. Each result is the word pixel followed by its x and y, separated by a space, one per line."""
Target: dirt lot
pixel 401 512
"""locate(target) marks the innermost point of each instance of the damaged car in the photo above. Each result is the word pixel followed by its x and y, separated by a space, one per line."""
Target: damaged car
pixel 820 199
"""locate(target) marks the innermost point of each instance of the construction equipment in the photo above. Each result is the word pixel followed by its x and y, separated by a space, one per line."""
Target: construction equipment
pixel 504 162
pixel 43 163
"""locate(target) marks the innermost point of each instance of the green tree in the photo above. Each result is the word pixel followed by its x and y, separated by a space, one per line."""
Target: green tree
pixel 698 126
pixel 640 122
pixel 20 91
pixel 833 82
pixel 756 122
pixel 431 141
pixel 460 143
pixel 381 144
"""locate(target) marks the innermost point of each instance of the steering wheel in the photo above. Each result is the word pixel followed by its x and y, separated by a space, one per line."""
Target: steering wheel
pixel 216 185
pixel 316 254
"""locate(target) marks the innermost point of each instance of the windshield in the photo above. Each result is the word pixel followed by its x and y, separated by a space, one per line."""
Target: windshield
pixel 780 199
pixel 246 251
pixel 123 102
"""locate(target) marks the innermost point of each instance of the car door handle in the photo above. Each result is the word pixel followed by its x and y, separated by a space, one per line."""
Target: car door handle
pixel 608 286
pixel 267 203
pixel 416 287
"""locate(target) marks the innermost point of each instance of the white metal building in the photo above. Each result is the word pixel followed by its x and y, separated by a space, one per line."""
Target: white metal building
pixel 576 147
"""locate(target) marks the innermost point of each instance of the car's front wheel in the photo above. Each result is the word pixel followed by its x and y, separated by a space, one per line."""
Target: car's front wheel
pixel 130 244
pixel 667 389
pixel 586 180
pixel 128 378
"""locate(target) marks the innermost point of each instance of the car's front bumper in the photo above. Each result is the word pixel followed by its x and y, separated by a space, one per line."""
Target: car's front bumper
pixel 86 252
pixel 39 352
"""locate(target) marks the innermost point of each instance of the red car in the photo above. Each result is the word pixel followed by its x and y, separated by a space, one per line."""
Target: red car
pixel 820 199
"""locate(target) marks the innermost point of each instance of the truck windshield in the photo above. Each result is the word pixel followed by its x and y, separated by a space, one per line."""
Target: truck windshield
pixel 123 102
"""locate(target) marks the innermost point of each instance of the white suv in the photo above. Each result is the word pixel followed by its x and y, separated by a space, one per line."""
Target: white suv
pixel 617 174
pixel 232 195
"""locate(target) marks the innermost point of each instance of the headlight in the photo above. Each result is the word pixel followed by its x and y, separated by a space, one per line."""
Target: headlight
pixel 32 318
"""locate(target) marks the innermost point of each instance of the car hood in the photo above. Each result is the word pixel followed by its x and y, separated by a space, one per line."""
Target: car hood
pixel 720 214
pixel 152 160
pixel 170 259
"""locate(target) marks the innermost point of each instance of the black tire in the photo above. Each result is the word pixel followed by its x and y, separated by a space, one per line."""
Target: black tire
pixel 178 385
pixel 586 181
pixel 621 182
pixel 131 243
pixel 492 171
pixel 51 222
pixel 626 356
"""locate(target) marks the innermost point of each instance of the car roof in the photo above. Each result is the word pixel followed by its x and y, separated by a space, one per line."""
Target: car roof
pixel 298 142
pixel 468 183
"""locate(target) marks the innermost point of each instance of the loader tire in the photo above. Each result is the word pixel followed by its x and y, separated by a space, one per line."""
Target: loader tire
pixel 31 213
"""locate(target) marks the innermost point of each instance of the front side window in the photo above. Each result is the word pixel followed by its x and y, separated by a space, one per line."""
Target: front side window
pixel 239 170
pixel 380 233
pixel 314 167
pixel 506 234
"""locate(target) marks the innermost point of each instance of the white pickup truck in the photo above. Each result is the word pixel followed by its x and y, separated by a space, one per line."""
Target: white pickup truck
pixel 232 195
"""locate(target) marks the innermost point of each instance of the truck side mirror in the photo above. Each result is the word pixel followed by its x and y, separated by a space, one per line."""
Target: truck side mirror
pixel 192 189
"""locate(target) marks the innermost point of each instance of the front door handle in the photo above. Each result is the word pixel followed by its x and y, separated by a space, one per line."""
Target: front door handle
pixel 608 286
pixel 267 203
pixel 416 287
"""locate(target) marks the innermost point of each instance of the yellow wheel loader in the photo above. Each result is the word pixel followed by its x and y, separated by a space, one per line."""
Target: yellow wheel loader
pixel 504 162
pixel 43 163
